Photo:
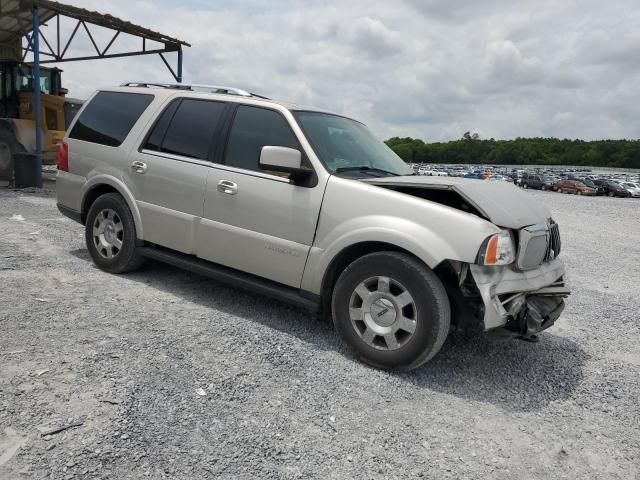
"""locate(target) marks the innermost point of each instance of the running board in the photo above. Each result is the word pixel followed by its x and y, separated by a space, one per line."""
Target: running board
pixel 236 278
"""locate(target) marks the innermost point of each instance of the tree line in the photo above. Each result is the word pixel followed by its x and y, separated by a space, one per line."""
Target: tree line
pixel 471 149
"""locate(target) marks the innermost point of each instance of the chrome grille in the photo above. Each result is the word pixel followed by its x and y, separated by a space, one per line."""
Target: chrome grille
pixel 538 244
pixel 553 243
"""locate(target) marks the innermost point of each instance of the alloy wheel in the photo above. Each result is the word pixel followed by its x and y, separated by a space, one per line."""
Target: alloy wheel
pixel 108 233
pixel 383 313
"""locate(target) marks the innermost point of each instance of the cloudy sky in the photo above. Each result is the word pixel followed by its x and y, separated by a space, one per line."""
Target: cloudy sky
pixel 431 69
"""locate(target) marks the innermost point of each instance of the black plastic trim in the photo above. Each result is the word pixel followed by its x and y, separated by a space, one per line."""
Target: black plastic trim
pixel 70 213
pixel 236 278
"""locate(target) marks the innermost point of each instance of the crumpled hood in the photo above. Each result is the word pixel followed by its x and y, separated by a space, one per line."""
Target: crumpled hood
pixel 502 203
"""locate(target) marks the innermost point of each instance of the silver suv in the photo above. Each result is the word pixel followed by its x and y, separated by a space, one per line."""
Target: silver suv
pixel 307 206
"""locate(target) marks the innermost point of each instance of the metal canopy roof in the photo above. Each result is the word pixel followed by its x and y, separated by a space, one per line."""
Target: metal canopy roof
pixel 22 20
pixel 16 22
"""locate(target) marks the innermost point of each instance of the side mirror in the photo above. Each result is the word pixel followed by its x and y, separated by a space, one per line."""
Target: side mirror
pixel 285 160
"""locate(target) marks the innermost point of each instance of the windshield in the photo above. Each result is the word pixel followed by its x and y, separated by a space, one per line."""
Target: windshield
pixel 25 80
pixel 348 148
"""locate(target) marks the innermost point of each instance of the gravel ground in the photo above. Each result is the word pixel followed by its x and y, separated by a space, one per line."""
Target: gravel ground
pixel 166 374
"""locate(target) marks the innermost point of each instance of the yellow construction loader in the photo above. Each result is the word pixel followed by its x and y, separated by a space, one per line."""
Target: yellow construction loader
pixel 17 120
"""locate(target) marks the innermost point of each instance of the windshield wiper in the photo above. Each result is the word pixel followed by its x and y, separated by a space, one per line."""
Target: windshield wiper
pixel 365 168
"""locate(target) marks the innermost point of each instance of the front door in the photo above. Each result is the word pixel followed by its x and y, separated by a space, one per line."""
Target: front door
pixel 257 221
pixel 167 176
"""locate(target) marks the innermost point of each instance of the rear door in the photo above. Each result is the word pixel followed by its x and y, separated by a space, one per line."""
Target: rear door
pixel 254 220
pixel 167 174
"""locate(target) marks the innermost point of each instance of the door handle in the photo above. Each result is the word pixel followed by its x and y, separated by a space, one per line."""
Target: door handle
pixel 138 166
pixel 225 186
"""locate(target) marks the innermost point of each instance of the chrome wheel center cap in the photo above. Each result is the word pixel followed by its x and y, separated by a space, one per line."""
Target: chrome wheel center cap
pixel 383 312
pixel 109 232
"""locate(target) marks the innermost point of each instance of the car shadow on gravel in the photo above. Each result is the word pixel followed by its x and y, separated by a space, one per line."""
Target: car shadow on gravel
pixel 508 373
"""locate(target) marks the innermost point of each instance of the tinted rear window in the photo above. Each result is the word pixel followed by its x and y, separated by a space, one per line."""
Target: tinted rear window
pixel 192 128
pixel 109 117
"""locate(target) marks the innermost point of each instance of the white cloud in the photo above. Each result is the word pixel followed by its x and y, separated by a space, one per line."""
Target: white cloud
pixel 426 68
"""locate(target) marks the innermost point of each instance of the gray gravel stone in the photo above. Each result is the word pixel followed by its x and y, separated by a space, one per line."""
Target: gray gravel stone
pixel 284 398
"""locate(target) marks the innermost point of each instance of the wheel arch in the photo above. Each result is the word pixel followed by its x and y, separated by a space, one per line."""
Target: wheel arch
pixel 100 185
pixel 352 252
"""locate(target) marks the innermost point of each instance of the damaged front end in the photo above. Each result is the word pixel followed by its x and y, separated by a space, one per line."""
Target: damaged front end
pixel 530 313
pixel 539 313
pixel 521 302
pixel 516 283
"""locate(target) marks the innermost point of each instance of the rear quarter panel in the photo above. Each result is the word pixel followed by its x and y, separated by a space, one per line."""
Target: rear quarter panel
pixel 92 164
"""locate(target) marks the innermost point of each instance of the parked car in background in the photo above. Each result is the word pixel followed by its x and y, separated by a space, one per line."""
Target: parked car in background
pixel 496 178
pixel 632 188
pixel 536 181
pixel 589 183
pixel 611 188
pixel 573 186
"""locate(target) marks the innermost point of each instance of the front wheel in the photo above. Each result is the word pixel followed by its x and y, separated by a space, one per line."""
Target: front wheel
pixel 392 310
pixel 110 233
pixel 8 146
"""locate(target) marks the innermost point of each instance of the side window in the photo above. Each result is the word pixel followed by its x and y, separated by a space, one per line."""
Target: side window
pixel 109 117
pixel 154 140
pixel 186 128
pixel 252 129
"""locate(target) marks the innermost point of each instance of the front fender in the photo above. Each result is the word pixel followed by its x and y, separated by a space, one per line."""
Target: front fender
pixel 101 179
pixel 355 212
pixel 416 238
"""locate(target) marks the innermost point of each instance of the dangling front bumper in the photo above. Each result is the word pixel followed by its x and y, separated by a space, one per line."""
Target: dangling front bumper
pixel 525 302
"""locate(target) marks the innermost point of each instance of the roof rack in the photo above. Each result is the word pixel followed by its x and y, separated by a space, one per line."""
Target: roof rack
pixel 194 87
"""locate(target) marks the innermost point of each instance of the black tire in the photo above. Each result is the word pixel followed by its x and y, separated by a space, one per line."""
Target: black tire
pixel 611 194
pixel 432 313
pixel 127 258
pixel 8 146
pixel 525 186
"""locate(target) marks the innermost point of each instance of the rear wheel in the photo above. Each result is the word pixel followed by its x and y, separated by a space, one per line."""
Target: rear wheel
pixel 391 310
pixel 110 233
pixel 611 194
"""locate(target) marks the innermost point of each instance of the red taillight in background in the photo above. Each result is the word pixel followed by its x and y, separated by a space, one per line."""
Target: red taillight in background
pixel 63 157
